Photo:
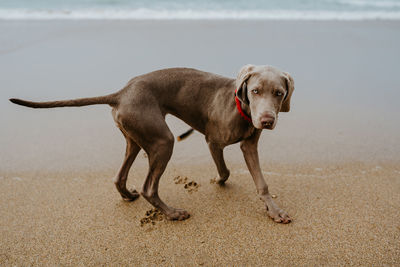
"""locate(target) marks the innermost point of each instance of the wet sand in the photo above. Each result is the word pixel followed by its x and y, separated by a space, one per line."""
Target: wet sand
pixel 333 162
pixel 343 215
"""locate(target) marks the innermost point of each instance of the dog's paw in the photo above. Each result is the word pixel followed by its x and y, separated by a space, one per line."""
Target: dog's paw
pixel 222 178
pixel 221 181
pixel 177 215
pixel 278 215
pixel 133 195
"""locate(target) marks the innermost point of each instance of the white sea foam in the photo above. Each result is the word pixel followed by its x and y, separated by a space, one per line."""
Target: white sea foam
pixel 371 3
pixel 187 14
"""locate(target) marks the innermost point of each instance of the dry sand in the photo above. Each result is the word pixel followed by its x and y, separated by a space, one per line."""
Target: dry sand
pixel 333 162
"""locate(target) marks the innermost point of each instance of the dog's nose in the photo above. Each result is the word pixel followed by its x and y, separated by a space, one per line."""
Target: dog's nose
pixel 267 121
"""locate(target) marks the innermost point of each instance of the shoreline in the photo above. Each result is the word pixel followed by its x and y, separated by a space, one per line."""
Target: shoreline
pixel 229 20
pixel 127 13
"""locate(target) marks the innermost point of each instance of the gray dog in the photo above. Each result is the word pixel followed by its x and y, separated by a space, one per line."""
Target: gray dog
pixel 225 110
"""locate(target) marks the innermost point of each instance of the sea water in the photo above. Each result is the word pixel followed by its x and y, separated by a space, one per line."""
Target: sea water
pixel 201 9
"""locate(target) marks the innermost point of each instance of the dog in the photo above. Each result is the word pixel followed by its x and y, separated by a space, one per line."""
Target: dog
pixel 225 110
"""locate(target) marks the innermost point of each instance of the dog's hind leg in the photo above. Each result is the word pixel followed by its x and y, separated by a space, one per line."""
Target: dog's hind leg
pixel 160 152
pixel 154 136
pixel 144 123
pixel 132 149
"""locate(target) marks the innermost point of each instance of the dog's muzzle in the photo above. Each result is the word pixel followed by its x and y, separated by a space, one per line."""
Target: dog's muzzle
pixel 267 121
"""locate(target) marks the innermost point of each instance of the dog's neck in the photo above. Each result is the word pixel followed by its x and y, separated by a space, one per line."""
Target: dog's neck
pixel 242 109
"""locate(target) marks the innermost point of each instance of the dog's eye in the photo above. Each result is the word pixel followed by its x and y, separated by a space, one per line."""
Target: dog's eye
pixel 278 93
pixel 255 91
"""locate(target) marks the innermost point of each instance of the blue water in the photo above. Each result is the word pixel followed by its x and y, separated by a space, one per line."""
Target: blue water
pixel 200 9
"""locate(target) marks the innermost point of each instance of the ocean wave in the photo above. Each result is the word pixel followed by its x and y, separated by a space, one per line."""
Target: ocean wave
pixel 188 14
pixel 371 3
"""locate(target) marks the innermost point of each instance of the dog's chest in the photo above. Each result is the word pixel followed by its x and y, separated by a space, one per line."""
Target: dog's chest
pixel 228 134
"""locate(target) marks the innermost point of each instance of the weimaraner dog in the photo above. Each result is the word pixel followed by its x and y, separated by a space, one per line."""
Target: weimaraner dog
pixel 225 110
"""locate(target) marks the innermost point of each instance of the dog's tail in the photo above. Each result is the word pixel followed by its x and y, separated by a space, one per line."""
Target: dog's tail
pixel 185 134
pixel 111 100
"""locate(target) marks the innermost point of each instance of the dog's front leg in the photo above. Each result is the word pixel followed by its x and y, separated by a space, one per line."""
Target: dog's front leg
pixel 218 157
pixel 250 153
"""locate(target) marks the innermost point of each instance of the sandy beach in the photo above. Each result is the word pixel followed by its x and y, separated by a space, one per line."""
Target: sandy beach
pixel 333 162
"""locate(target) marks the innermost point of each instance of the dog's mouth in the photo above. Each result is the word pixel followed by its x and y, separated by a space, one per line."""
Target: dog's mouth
pixel 268 126
pixel 264 126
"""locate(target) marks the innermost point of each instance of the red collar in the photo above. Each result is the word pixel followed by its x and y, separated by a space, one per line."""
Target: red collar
pixel 239 108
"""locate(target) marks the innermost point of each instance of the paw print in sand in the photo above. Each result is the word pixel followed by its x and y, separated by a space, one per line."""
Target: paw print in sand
pixel 191 186
pixel 180 180
pixel 152 216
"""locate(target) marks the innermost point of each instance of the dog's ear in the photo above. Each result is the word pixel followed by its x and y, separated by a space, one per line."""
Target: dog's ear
pixel 241 86
pixel 290 88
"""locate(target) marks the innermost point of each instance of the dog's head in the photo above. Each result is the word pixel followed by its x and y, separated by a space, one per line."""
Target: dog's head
pixel 266 91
